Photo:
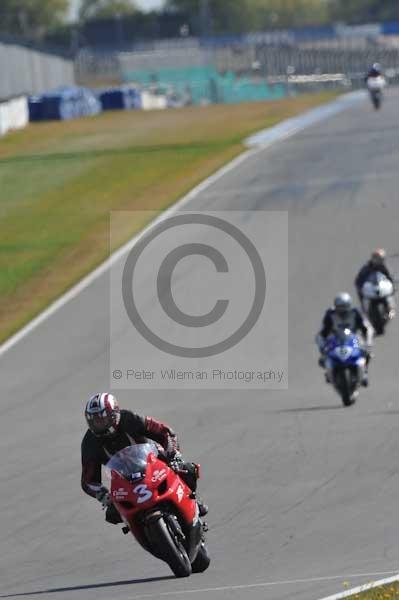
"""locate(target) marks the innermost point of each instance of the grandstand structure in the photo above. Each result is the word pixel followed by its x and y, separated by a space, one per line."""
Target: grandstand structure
pixel 260 65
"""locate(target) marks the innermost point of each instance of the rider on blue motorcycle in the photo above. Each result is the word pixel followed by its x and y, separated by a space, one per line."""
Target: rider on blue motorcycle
pixel 345 316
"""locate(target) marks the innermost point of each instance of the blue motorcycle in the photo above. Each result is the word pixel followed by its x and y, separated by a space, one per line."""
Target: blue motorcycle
pixel 345 364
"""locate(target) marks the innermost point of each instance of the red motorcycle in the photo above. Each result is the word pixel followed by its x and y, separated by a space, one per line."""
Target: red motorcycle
pixel 158 508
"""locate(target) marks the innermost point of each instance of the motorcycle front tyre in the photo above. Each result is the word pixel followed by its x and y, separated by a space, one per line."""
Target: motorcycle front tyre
pixel 170 548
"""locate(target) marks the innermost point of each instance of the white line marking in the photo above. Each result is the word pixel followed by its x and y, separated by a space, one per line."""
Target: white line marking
pixel 363 588
pixel 232 588
pixel 292 126
pixel 275 134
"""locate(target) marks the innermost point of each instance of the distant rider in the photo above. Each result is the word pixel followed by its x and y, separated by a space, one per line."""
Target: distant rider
pixel 374 72
pixel 345 316
pixel 109 430
pixel 376 264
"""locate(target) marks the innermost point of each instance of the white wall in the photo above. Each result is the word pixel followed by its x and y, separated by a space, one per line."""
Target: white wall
pixel 26 71
pixel 14 114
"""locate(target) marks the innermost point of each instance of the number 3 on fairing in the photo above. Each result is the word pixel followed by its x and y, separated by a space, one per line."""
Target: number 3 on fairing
pixel 142 492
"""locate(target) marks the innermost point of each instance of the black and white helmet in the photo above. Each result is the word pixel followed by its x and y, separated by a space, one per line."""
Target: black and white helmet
pixel 103 414
pixel 343 303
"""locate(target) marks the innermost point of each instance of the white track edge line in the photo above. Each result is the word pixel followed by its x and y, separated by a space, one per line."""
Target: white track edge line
pixel 249 586
pixel 362 588
pixel 277 134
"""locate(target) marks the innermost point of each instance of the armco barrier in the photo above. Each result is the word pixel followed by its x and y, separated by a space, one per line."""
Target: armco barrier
pixel 14 114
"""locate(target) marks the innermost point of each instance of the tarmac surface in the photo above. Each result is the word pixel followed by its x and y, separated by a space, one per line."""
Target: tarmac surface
pixel 303 493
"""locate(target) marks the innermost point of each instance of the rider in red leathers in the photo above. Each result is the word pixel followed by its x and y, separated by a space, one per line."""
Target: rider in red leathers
pixel 109 430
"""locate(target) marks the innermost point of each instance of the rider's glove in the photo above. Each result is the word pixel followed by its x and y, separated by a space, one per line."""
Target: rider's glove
pixel 172 449
pixel 177 462
pixel 104 498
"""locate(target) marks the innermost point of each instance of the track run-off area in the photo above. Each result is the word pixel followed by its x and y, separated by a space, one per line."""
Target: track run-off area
pixel 303 493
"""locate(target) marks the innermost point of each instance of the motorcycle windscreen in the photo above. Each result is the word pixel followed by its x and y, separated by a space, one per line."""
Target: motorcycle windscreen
pixel 132 460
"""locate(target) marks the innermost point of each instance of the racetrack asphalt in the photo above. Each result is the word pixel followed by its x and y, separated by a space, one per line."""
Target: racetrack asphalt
pixel 299 488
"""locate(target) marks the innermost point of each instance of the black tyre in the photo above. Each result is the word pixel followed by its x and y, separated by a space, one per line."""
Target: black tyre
pixel 344 385
pixel 170 548
pixel 202 560
pixel 377 101
pixel 381 319
pixel 378 317
pixel 380 329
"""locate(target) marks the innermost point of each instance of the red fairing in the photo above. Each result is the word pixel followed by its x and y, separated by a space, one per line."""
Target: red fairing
pixel 162 434
pixel 160 484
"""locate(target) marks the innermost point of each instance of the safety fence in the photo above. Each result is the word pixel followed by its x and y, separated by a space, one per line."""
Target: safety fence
pixel 350 64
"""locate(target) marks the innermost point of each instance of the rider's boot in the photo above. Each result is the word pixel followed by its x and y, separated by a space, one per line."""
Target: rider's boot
pixel 202 507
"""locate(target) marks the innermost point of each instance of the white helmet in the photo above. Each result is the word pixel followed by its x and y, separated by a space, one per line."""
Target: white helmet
pixel 103 414
pixel 343 303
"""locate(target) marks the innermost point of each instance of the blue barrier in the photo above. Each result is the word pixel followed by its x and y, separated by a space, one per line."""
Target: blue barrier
pixel 35 105
pixel 390 28
pixel 120 98
pixel 64 104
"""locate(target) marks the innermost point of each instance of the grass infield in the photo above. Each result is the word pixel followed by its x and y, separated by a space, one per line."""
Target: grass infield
pixel 59 182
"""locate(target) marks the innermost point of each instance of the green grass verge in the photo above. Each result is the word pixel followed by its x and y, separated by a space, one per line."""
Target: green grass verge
pixel 59 182
pixel 386 592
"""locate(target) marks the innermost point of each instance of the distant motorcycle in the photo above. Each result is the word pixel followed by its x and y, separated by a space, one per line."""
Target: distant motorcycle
pixel 345 364
pixel 158 508
pixel 375 86
pixel 376 293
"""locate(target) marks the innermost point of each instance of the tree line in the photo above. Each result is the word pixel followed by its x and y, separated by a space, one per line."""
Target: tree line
pixel 33 19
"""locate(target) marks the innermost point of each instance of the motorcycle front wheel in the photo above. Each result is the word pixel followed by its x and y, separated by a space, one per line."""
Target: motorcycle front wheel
pixel 376 101
pixel 344 387
pixel 202 560
pixel 379 318
pixel 170 548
